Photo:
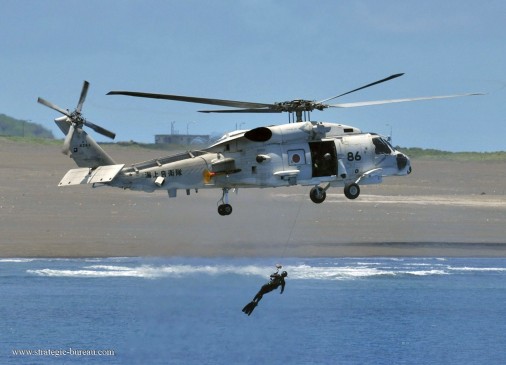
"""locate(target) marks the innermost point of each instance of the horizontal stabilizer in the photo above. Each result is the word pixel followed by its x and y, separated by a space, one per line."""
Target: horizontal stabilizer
pixel 102 174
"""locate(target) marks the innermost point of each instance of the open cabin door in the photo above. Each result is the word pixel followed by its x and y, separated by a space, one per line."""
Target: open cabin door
pixel 323 158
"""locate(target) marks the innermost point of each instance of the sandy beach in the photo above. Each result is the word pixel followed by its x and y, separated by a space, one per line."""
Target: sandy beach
pixel 444 208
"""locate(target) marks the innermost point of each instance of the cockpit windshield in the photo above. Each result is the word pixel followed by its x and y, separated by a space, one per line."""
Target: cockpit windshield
pixel 382 146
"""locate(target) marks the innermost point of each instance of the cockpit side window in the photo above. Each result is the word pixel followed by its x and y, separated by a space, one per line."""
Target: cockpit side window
pixel 382 146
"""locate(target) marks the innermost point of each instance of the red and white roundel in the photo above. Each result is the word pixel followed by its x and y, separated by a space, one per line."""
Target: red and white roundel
pixel 296 157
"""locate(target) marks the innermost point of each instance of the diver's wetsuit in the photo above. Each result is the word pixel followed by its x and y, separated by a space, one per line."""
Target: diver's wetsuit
pixel 276 281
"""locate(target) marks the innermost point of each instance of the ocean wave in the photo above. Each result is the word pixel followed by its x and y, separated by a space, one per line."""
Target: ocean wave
pixel 148 271
pixel 78 273
pixel 306 272
pixel 426 272
pixel 298 269
pixel 16 260
pixel 477 269
pixel 296 272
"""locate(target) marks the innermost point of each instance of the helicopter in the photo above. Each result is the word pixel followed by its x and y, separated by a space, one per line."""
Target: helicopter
pixel 301 152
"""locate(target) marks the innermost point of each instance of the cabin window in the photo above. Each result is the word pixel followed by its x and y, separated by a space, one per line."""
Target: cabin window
pixel 381 146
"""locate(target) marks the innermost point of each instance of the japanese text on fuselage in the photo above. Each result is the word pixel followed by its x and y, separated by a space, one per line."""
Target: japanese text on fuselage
pixel 163 173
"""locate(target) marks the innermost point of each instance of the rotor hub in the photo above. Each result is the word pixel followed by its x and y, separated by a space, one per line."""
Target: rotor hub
pixel 77 118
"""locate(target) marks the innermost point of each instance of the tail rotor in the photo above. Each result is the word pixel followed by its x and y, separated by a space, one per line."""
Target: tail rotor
pixel 75 119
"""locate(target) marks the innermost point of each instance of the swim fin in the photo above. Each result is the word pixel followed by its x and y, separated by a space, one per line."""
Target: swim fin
pixel 248 308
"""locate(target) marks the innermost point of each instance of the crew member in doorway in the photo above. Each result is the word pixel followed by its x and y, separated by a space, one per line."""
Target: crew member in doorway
pixel 276 280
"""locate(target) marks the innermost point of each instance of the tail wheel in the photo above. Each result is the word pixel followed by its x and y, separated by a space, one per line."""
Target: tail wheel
pixel 352 191
pixel 317 194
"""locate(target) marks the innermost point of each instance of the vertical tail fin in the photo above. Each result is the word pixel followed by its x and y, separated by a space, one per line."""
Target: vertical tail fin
pixel 82 148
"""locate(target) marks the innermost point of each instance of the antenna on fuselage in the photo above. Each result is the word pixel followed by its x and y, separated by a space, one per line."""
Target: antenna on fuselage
pixel 389 138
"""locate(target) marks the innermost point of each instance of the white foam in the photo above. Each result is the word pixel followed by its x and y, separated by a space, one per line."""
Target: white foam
pixel 477 269
pixel 335 273
pixel 297 272
pixel 147 271
pixel 108 267
pixel 17 260
pixel 89 273
pixel 426 272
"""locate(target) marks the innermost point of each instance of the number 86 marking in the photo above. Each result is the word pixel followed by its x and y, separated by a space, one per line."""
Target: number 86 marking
pixel 354 157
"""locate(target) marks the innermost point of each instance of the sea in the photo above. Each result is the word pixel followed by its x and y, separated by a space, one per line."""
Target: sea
pixel 150 310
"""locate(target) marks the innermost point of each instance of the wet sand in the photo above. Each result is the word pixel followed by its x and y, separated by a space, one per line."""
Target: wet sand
pixel 444 208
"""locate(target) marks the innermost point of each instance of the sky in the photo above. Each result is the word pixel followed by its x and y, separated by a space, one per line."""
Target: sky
pixel 261 51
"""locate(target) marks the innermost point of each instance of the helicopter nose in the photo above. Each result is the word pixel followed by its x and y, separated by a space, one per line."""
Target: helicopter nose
pixel 403 163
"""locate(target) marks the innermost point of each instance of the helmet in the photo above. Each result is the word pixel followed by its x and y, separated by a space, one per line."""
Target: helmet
pixel 284 274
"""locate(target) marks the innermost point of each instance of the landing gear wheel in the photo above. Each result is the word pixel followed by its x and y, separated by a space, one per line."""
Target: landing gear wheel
pixel 352 191
pixel 317 194
pixel 225 209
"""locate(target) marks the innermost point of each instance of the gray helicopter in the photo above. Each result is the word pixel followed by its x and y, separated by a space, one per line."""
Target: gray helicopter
pixel 308 153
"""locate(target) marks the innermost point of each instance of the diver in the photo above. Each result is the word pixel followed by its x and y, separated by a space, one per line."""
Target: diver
pixel 276 280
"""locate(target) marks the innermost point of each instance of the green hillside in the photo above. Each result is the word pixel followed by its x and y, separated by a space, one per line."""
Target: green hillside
pixel 22 128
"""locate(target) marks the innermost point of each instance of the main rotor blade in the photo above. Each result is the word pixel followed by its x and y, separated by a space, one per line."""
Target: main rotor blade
pixel 84 92
pixel 192 99
pixel 242 111
pixel 100 130
pixel 363 87
pixel 68 138
pixel 53 106
pixel 380 102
